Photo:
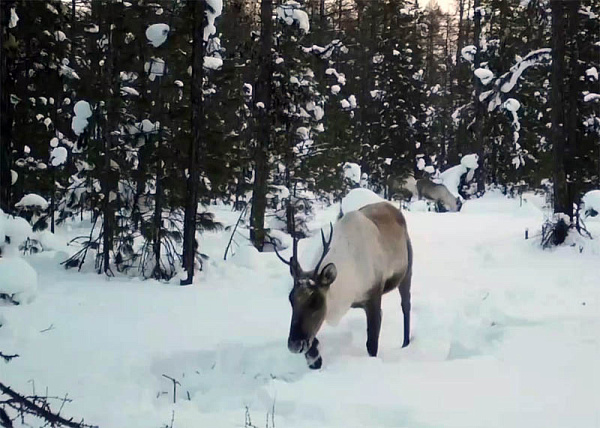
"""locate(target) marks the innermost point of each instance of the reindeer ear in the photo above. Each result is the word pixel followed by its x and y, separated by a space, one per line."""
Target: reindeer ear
pixel 328 275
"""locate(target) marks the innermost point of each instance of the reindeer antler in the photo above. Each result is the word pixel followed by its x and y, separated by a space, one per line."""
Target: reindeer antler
pixel 326 246
pixel 294 259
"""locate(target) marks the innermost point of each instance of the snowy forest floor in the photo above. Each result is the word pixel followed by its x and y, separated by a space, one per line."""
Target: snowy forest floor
pixel 504 335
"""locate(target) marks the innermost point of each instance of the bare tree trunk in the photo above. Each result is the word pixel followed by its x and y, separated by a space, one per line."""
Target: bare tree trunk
pixel 6 109
pixel 263 122
pixel 571 151
pixel 158 206
pixel 479 114
pixel 460 41
pixel 109 176
pixel 191 207
pixel 561 197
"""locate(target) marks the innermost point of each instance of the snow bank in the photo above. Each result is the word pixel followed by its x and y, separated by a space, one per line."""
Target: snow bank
pixel 18 279
pixel 279 191
pixel 452 176
pixel 2 230
pixel 419 206
pixel 18 229
pixel 484 332
pixel 157 34
pixel 358 198
pixel 247 256
pixel 470 161
pixel 494 201
pixel 591 203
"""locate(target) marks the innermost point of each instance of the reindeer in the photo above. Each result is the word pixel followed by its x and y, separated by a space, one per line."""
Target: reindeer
pixel 405 188
pixel 368 254
pixel 439 194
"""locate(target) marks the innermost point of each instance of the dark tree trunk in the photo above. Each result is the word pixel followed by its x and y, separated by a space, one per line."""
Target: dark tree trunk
pixel 478 134
pixel 460 41
pixel 6 109
pixel 572 149
pixel 191 203
pixel 263 124
pixel 110 174
pixel 561 196
pixel 158 206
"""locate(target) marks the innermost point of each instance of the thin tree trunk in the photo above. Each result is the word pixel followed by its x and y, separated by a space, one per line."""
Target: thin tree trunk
pixel 561 199
pixel 479 115
pixel 158 273
pixel 263 122
pixel 6 109
pixel 191 207
pixel 572 149
pixel 109 179
pixel 460 41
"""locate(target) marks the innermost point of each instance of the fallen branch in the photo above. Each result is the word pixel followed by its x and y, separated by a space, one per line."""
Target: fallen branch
pixel 175 383
pixel 28 405
pixel 47 329
pixel 8 357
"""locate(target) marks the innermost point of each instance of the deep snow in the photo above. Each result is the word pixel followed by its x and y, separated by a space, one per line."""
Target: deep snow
pixel 504 335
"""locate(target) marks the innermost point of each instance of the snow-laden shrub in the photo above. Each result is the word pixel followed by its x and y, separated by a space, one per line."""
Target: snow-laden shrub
pixel 248 256
pixel 462 173
pixel 18 280
pixel 34 209
pixel 591 203
pixel 352 173
pixel 555 230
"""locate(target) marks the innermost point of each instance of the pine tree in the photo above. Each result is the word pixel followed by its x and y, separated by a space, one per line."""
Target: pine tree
pixel 263 120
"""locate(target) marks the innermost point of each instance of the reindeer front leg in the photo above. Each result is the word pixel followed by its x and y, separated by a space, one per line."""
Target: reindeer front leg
pixel 373 311
pixel 313 357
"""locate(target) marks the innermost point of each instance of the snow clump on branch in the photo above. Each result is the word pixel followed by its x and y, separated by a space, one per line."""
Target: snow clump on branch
pixel 290 13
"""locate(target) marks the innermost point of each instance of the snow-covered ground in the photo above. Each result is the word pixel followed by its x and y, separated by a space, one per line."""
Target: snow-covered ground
pixel 504 335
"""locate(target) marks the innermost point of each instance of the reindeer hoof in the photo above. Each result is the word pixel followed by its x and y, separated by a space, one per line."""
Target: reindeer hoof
pixel 313 357
pixel 315 365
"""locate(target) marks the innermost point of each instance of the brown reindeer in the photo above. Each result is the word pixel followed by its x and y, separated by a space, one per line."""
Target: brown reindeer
pixel 439 194
pixel 368 254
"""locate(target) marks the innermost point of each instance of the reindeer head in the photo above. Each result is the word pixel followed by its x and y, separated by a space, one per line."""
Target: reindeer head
pixel 308 297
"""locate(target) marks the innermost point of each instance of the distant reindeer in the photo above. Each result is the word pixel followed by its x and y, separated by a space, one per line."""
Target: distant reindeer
pixel 368 254
pixel 405 188
pixel 438 193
